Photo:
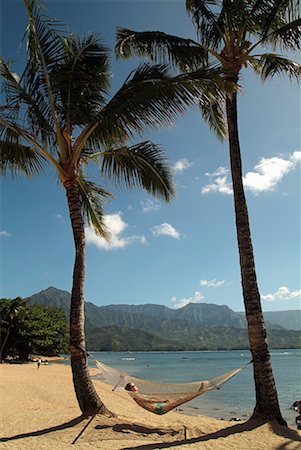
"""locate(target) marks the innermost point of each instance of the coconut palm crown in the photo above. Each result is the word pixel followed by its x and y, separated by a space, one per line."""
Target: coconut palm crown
pixel 58 113
pixel 235 34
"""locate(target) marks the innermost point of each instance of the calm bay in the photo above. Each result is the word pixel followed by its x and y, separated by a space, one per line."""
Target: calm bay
pixel 235 399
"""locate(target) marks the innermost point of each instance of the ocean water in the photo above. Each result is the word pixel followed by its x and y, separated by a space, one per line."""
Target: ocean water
pixel 236 398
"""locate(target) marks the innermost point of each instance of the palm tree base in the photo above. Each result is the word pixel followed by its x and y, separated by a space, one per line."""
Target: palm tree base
pixel 104 411
pixel 265 417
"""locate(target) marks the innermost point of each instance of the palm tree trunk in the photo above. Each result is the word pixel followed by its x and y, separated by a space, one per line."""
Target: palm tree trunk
pixel 4 342
pixel 267 406
pixel 89 401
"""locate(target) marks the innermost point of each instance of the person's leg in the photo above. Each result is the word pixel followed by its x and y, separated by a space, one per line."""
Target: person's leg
pixel 171 404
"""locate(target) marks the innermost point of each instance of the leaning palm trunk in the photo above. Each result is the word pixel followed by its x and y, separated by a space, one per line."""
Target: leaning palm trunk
pixel 267 405
pixel 89 401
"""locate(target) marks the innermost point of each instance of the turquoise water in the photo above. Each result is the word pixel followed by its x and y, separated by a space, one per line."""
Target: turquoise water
pixel 236 398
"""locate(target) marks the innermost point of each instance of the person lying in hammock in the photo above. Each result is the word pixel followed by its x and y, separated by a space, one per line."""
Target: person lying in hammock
pixel 159 406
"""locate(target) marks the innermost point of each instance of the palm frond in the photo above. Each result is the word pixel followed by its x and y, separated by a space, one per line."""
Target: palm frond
pixel 13 132
pixel 213 111
pixel 16 158
pixel 140 166
pixel 274 14
pixel 44 47
pixel 159 47
pixel 82 78
pixel 234 18
pixel 149 98
pixel 287 37
pixel 17 97
pixel 92 198
pixel 206 22
pixel 254 63
pixel 44 43
pixel 269 65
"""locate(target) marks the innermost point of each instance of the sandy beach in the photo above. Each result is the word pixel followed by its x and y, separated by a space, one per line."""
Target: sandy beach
pixel 39 411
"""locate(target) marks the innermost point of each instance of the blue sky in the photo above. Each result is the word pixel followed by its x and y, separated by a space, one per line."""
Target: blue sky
pixel 164 254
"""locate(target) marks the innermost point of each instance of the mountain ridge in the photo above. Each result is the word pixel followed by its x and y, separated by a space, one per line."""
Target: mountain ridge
pixel 157 327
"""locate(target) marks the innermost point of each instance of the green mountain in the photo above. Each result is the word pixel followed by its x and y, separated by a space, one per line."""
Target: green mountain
pixel 156 327
pixel 287 319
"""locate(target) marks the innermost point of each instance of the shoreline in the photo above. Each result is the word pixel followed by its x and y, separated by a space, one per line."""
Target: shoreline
pixel 40 411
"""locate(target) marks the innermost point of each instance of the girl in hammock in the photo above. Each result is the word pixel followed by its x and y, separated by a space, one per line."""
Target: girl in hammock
pixel 159 406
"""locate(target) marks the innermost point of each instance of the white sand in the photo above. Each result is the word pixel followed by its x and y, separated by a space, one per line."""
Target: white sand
pixel 39 411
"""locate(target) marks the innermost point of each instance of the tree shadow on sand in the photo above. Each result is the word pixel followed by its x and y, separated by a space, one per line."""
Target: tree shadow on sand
pixel 126 427
pixel 238 428
pixel 287 433
pixel 62 426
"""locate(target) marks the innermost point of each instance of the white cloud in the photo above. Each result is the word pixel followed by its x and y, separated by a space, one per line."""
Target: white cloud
pixel 150 206
pixel 181 165
pixel 219 172
pixel 219 184
pixel 269 172
pixel 116 227
pixel 283 293
pixel 5 233
pixel 266 175
pixel 196 298
pixel 165 229
pixel 212 283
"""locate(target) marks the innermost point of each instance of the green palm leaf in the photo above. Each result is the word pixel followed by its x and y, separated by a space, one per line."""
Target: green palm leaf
pixel 44 43
pixel 17 159
pixel 139 166
pixel 37 111
pixel 207 24
pixel 82 80
pixel 45 51
pixel 287 36
pixel 92 198
pixel 213 111
pixel 160 47
pixel 152 98
pixel 269 65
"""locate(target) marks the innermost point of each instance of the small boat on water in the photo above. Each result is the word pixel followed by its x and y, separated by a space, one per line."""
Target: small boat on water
pixel 128 359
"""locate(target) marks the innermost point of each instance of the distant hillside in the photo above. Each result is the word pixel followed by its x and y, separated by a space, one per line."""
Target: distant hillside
pixel 287 319
pixel 52 297
pixel 193 327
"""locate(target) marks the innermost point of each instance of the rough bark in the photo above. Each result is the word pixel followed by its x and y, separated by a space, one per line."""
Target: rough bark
pixel 88 399
pixel 267 405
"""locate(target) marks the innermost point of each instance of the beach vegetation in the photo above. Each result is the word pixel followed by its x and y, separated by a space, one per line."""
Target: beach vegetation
pixel 59 114
pixel 234 35
pixel 35 329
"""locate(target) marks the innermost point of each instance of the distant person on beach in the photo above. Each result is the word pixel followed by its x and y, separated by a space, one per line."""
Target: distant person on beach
pixel 39 362
pixel 159 406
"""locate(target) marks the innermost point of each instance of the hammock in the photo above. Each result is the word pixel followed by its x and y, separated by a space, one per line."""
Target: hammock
pixel 159 394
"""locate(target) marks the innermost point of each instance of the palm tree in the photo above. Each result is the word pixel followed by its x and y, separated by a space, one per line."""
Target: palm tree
pixel 233 33
pixel 58 113
pixel 12 319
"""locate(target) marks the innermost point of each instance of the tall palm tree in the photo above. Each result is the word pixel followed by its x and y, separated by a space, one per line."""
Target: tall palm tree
pixel 233 33
pixel 59 113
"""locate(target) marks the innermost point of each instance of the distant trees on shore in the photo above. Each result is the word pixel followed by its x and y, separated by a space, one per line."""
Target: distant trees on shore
pixel 26 330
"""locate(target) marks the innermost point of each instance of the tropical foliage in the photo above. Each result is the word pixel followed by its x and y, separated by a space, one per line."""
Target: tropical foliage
pixel 33 329
pixel 58 114
pixel 234 34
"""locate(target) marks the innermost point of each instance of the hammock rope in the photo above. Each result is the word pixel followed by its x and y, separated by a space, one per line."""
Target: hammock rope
pixel 177 393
